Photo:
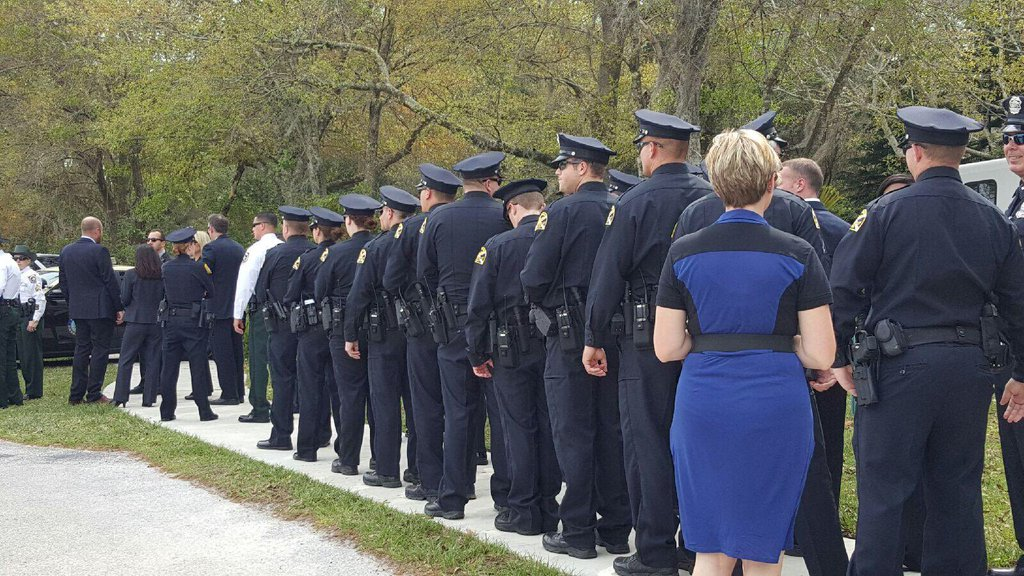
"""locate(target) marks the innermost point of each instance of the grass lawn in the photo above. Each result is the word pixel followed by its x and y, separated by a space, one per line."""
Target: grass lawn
pixel 413 544
pixel 1002 545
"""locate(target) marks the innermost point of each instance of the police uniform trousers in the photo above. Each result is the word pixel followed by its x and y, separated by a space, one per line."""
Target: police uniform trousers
pixel 226 345
pixel 1011 441
pixel 427 409
pixel 317 392
pixel 145 341
pixel 283 371
pixel 647 391
pixel 500 479
pixel 832 409
pixel 354 410
pixel 183 340
pixel 930 421
pixel 388 380
pixel 259 343
pixel 30 356
pixel 584 414
pixel 534 477
pixel 10 389
pixel 92 352
pixel 480 430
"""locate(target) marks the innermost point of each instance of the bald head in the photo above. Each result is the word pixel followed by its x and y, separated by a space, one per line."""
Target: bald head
pixel 92 227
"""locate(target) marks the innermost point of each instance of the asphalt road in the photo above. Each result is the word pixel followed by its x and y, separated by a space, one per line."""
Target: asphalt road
pixel 77 512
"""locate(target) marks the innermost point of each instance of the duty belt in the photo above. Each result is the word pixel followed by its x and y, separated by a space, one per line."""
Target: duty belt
pixel 10 302
pixel 942 335
pixel 516 316
pixel 740 342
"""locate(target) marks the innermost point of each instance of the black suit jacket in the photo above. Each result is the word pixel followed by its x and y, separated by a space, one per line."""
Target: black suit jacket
pixel 141 298
pixel 88 281
pixel 223 257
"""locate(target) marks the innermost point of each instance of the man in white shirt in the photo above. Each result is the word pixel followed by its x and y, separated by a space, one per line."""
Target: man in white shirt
pixel 30 323
pixel 10 313
pixel 264 227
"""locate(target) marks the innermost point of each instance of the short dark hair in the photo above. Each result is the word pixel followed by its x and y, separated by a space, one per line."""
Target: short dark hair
pixel 147 263
pixel 218 222
pixel 894 179
pixel 268 217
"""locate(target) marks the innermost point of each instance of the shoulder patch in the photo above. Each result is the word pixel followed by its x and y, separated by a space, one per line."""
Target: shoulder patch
pixel 481 256
pixel 611 217
pixel 362 256
pixel 814 216
pixel 542 223
pixel 298 262
pixel 859 221
pixel 423 227
pixel 323 257
pixel 245 257
pixel 207 268
pixel 398 231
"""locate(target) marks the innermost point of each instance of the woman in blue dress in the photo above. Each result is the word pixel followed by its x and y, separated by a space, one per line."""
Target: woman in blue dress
pixel 747 306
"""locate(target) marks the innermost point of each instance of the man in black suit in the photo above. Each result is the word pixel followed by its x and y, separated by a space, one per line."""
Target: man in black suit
pixel 90 285
pixel 158 243
pixel 223 256
pixel 803 177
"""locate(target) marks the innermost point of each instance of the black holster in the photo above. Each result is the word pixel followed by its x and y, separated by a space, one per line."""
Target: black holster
pixel 864 352
pixel 409 319
pixel 376 325
pixel 297 319
pixel 506 350
pixel 993 343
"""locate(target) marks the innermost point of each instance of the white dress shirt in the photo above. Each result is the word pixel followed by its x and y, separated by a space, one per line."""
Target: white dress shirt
pixel 249 271
pixel 32 287
pixel 10 277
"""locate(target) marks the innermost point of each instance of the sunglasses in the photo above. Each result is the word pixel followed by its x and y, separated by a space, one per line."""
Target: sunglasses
pixel 640 145
pixel 255 224
pixel 564 163
pixel 1017 138
pixel 18 258
pixel 904 143
pixel 155 240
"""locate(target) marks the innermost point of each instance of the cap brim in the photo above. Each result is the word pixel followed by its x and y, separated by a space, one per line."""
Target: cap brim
pixel 554 163
pixel 1009 128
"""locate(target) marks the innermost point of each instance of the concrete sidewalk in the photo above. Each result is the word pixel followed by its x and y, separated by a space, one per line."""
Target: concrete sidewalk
pixel 233 435
pixel 78 512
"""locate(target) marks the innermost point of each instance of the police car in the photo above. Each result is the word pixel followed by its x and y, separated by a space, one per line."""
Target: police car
pixel 58 340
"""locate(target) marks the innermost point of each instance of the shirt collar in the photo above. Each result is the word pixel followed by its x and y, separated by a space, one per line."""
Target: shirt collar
pixel 940 172
pixel 88 238
pixel 741 215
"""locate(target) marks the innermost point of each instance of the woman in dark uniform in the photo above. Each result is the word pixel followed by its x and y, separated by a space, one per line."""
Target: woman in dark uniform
pixel 186 284
pixel 746 305
pixel 142 289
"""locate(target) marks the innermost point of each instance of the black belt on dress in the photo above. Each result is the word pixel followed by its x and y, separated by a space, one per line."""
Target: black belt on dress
pixel 740 342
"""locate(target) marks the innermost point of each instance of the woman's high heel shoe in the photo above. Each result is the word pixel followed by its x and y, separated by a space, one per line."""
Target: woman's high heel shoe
pixel 120 404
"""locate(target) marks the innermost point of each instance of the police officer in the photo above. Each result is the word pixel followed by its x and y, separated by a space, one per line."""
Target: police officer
pixel 270 291
pixel 224 256
pixel 584 409
pixel 619 182
pixel 817 530
pixel 923 401
pixel 10 314
pixel 437 187
pixel 317 392
pixel 370 308
pixel 514 354
pixel 30 326
pixel 187 285
pixel 765 124
pixel 1011 436
pixel 245 310
pixel 452 238
pixel 632 252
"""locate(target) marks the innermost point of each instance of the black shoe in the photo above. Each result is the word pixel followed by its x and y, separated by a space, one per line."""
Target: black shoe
pixel 296 456
pixel 620 548
pixel 410 476
pixel 481 458
pixel 252 418
pixel 191 396
pixel 418 492
pixel 27 398
pixel 1017 570
pixel 119 403
pixel 434 510
pixel 632 566
pixel 373 479
pixel 225 401
pixel 136 390
pixel 555 543
pixel 499 508
pixel 147 404
pixel 344 469
pixel 503 522
pixel 208 417
pixel 268 445
pixel 168 418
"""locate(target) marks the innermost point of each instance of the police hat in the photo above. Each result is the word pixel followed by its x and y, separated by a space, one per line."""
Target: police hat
pixel 517 187
pixel 294 214
pixel 765 124
pixel 437 178
pixel 1014 114
pixel 661 125
pixel 325 217
pixel 182 235
pixel 619 182
pixel 481 166
pixel 358 205
pixel 22 250
pixel 937 126
pixel 583 148
pixel 398 199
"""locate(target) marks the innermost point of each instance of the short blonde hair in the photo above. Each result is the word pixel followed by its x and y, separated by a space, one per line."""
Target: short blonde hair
pixel 741 164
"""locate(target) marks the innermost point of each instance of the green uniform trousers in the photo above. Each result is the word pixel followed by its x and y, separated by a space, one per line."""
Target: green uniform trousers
pixel 30 356
pixel 259 370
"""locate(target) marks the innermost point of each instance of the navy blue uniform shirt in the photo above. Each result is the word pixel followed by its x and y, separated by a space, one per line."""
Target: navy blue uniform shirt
pixel 495 286
pixel 301 282
pixel 335 276
pixel 1015 211
pixel 454 235
pixel 833 228
pixel 186 281
pixel 224 257
pixel 367 286
pixel 278 267
pixel 635 244
pixel 400 269
pixel 568 235
pixel 929 255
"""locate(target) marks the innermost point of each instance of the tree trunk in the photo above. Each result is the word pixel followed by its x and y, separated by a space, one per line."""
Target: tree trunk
pixel 373 170
pixel 614 17
pixel 233 190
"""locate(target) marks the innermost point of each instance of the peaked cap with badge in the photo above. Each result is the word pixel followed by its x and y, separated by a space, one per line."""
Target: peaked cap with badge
pixel 939 126
pixel 437 178
pixel 1014 108
pixel 398 199
pixel 661 125
pixel 294 214
pixel 582 148
pixel 765 124
pixel 325 217
pixel 619 182
pixel 480 166
pixel 358 205
pixel 182 235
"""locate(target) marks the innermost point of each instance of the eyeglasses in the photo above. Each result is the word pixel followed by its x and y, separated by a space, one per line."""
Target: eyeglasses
pixel 154 239
pixel 640 145
pixel 1017 138
pixel 255 224
pixel 18 258
pixel 562 165
pixel 905 143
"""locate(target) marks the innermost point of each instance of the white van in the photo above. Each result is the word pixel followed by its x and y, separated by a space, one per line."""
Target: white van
pixel 992 179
